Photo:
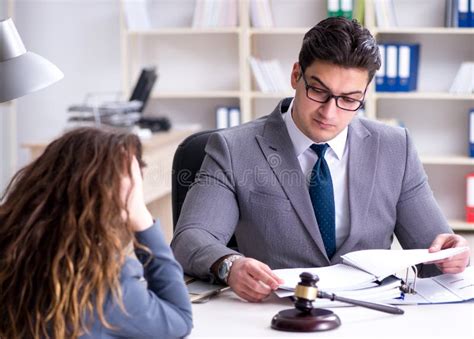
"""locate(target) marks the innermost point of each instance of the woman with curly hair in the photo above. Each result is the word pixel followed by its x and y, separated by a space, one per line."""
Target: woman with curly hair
pixel 67 267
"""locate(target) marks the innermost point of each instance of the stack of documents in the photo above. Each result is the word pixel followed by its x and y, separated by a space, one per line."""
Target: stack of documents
pixel 343 280
pixel 364 275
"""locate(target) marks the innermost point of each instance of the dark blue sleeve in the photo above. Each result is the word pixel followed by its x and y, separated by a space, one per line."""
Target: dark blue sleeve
pixel 158 306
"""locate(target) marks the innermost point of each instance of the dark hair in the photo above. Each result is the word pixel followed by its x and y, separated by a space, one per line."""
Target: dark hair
pixel 343 42
pixel 63 235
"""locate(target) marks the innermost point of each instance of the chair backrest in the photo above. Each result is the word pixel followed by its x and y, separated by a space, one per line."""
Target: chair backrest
pixel 186 163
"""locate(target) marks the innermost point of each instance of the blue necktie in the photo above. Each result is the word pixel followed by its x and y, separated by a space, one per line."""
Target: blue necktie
pixel 322 197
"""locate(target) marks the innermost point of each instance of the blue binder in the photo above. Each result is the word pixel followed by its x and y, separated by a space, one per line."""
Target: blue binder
pixel 408 61
pixel 464 16
pixel 380 76
pixel 391 71
pixel 471 12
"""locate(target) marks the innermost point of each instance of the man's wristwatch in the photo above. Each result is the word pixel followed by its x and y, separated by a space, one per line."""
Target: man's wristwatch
pixel 224 267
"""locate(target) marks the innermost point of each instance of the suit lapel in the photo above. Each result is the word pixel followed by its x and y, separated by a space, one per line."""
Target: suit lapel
pixel 278 151
pixel 363 157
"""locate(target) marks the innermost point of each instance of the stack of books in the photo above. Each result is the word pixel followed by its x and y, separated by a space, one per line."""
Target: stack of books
pixel 261 14
pixel 464 81
pixel 269 75
pixel 385 14
pixel 399 70
pixel 215 13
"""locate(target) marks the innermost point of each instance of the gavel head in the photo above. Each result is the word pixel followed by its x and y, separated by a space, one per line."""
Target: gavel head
pixel 306 292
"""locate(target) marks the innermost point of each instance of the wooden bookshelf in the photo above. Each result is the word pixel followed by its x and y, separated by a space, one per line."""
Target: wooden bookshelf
pixel 228 79
pixel 278 31
pixel 447 160
pixel 185 31
pixel 422 112
pixel 196 94
pixel 461 226
pixel 424 30
pixel 424 96
pixel 270 95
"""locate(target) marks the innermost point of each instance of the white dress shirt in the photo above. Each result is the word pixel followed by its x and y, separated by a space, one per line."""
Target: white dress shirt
pixel 336 157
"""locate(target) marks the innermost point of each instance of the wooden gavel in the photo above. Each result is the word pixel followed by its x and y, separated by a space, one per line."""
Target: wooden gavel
pixel 305 318
pixel 306 292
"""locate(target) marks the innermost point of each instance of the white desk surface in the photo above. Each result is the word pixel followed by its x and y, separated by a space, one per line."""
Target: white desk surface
pixel 228 316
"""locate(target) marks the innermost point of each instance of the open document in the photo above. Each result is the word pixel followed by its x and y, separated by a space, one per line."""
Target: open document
pixel 445 288
pixel 382 263
pixel 364 275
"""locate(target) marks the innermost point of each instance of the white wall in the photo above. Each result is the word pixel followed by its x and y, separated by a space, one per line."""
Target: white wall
pixel 82 38
pixel 4 123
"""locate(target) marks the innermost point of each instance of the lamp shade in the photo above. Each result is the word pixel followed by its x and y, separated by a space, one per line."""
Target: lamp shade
pixel 21 72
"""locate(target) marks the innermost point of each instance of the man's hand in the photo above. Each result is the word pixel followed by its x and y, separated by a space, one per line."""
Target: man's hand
pixel 456 263
pixel 252 279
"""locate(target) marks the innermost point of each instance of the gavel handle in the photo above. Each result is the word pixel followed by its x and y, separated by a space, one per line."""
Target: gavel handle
pixel 374 306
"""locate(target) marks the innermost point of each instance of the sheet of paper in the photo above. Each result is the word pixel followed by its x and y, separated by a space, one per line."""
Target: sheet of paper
pixel 382 263
pixel 461 284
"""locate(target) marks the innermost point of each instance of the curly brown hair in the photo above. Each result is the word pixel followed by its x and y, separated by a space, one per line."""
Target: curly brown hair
pixel 63 235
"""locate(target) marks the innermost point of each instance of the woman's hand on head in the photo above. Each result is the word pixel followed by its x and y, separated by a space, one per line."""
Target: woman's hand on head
pixel 140 217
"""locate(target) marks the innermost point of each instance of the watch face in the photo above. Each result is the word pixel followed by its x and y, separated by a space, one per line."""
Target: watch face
pixel 223 270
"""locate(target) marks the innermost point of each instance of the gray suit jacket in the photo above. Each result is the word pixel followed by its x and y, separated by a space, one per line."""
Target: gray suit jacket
pixel 251 183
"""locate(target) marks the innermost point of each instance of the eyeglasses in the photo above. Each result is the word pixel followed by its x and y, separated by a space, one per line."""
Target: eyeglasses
pixel 323 96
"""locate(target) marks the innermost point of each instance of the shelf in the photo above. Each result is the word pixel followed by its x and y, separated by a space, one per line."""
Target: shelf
pixel 196 95
pixel 423 30
pixel 461 226
pixel 186 31
pixel 279 31
pixel 385 95
pixel 423 96
pixel 447 160
pixel 271 95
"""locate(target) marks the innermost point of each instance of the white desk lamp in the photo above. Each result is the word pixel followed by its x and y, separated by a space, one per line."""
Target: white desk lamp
pixel 21 72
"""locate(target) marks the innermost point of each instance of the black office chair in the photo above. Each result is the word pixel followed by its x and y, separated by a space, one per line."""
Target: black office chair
pixel 186 163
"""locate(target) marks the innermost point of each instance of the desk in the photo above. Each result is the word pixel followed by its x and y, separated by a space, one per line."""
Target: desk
pixel 228 316
pixel 158 153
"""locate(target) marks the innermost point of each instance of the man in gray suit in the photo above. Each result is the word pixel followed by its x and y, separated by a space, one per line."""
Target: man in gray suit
pixel 311 181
